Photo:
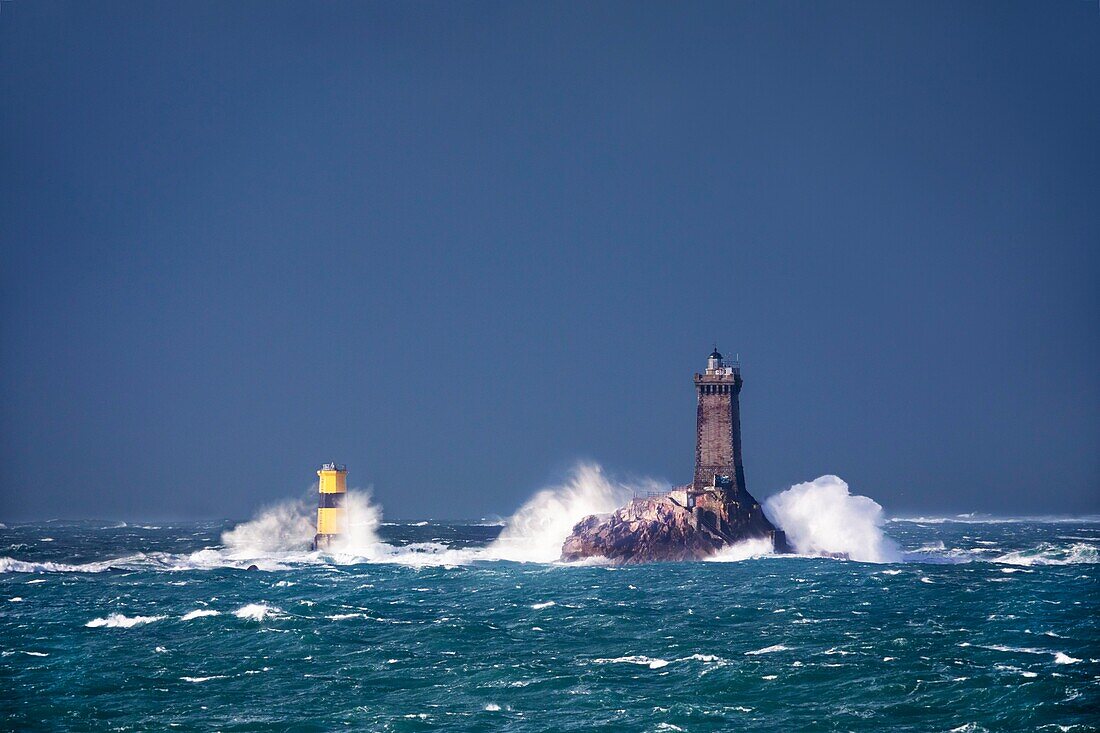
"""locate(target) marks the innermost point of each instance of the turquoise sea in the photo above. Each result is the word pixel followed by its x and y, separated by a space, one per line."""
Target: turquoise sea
pixel 985 626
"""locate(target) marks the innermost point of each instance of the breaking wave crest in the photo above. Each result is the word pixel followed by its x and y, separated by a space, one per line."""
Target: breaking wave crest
pixel 1079 553
pixel 119 621
pixel 821 517
pixel 746 550
pixel 536 531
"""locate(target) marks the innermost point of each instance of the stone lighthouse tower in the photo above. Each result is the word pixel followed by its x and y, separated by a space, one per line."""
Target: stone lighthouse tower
pixel 718 425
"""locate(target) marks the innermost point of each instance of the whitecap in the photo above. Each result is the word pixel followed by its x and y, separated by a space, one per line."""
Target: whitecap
pixel 746 550
pixel 545 604
pixel 1062 658
pixel 1046 553
pixel 769 649
pixel 256 611
pixel 650 662
pixel 205 679
pixel 119 621
pixel 11 565
pixel 198 613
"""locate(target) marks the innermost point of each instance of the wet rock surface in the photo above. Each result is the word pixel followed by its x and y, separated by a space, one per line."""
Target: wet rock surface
pixel 660 529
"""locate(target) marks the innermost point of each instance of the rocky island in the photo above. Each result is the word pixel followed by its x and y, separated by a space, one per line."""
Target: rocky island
pixel 695 521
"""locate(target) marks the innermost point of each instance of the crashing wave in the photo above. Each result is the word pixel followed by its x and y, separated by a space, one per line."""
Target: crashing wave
pixel 821 517
pixel 256 611
pixel 119 621
pixel 747 550
pixel 536 531
pixel 1079 553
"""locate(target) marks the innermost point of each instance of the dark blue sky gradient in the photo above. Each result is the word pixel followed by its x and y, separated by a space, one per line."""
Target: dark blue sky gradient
pixel 460 246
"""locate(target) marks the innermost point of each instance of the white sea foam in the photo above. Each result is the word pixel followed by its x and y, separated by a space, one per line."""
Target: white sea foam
pixel 11 565
pixel 985 519
pixel 743 551
pixel 198 613
pixel 536 531
pixel 650 662
pixel 545 604
pixel 821 517
pixel 1062 658
pixel 768 650
pixel 256 611
pixel 119 621
pixel 711 658
pixel 1050 554
pixel 284 526
pixel 346 616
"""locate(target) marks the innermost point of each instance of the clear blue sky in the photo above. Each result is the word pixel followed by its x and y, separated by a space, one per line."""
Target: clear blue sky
pixel 460 246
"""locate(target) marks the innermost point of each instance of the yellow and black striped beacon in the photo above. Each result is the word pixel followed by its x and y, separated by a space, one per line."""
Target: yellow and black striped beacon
pixel 332 517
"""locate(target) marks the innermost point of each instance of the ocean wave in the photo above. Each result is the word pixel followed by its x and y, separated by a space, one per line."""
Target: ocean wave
pixel 821 517
pixel 987 519
pixel 747 550
pixel 198 613
pixel 11 565
pixel 256 611
pixel 651 662
pixel 1046 553
pixel 119 621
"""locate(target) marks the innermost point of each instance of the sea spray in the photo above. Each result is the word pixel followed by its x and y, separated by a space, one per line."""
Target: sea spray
pixel 821 517
pixel 364 518
pixel 290 525
pixel 285 526
pixel 743 550
pixel 536 531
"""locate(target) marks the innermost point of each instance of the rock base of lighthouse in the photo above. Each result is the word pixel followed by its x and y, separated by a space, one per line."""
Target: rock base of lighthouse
pixel 661 529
